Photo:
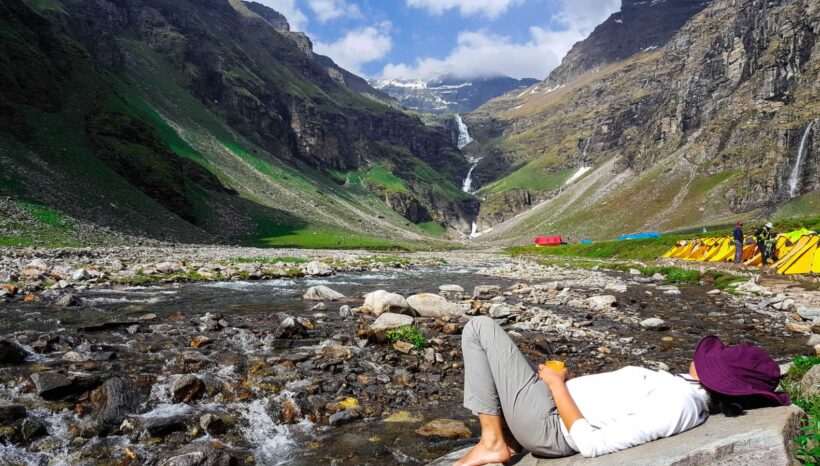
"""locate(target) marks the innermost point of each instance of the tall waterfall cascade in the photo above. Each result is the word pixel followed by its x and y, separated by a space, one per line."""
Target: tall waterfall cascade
pixel 794 178
pixel 464 137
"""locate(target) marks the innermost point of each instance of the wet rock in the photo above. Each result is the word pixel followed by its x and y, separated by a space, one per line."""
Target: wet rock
pixel 51 385
pixel 446 428
pixel 10 412
pixel 810 383
pixel 451 289
pixel 616 287
pixel 32 428
pixel 343 417
pixel 114 400
pixel 322 293
pixel 321 307
pixel 499 311
pixel 215 424
pixel 212 322
pixel 381 301
pixel 67 300
pixel 11 352
pixel 654 323
pixel 288 327
pixel 401 417
pixel 200 455
pixel 433 305
pixel 318 269
pixel 486 291
pixel 389 321
pixel 600 303
pixel 187 388
pixel 345 312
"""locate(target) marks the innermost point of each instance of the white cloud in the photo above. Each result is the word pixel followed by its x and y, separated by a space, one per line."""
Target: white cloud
pixel 584 15
pixel 327 10
pixel 482 54
pixel 359 47
pixel 296 18
pixel 489 8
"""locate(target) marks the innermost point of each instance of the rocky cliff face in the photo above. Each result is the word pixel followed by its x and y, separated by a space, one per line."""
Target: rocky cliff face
pixel 217 95
pixel 704 129
pixel 640 26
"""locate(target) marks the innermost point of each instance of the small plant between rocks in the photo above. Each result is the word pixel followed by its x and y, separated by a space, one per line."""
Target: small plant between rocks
pixel 808 444
pixel 407 334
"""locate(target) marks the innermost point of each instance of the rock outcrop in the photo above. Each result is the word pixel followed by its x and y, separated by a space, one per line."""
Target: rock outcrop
pixel 761 437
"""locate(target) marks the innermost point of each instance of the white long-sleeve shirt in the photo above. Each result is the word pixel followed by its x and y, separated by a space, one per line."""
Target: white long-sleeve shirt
pixel 632 406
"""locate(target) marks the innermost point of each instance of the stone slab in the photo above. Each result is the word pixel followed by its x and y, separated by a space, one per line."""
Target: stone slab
pixel 762 437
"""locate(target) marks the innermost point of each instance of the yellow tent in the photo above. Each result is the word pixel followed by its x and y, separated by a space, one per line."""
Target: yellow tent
pixel 795 248
pixel 804 260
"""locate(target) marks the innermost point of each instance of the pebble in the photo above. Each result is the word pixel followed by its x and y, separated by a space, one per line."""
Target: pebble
pixel 654 323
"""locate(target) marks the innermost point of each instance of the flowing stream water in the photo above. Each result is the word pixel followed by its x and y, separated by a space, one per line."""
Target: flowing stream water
pixel 252 377
pixel 794 178
pixel 585 167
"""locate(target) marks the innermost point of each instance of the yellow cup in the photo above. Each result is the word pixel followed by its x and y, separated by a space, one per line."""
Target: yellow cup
pixel 555 365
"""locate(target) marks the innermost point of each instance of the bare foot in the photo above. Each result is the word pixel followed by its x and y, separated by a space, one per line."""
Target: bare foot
pixel 486 453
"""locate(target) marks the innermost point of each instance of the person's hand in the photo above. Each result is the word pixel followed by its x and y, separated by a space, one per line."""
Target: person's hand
pixel 552 377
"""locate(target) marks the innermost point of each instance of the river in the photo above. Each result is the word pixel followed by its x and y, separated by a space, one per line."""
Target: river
pixel 273 393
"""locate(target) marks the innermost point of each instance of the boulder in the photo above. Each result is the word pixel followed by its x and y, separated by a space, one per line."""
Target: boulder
pixel 11 352
pixel 322 293
pixel 345 312
pixel 318 269
pixel 760 437
pixel 446 428
pixel 115 399
pixel 433 305
pixel 499 311
pixel 10 412
pixel 600 303
pixel 654 323
pixel 379 302
pixel 52 385
pixel 486 291
pixel 808 313
pixel 389 321
pixel 451 289
pixel 337 352
pixel 187 388
pixel 80 275
pixel 67 300
pixel 321 307
pixel 167 267
pixel 810 384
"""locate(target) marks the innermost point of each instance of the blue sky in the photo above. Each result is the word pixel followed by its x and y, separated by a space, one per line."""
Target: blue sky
pixel 428 38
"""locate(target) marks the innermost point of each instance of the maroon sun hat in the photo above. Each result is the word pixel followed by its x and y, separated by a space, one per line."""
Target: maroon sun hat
pixel 740 370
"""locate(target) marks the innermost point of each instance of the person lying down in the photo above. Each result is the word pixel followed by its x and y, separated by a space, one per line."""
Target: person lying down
pixel 598 414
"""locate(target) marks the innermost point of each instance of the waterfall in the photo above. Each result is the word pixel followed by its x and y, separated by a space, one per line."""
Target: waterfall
pixel 584 166
pixel 463 134
pixel 794 179
pixel 467 185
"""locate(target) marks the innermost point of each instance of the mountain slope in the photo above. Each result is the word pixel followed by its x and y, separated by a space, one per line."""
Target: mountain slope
pixel 705 129
pixel 447 94
pixel 198 120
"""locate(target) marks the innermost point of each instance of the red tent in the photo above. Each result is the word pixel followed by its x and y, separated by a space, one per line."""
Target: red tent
pixel 548 241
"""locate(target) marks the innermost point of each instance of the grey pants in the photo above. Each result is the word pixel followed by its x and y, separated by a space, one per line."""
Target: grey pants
pixel 738 251
pixel 498 380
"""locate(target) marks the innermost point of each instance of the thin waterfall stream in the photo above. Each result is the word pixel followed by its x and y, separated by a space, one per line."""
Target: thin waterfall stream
pixel 794 178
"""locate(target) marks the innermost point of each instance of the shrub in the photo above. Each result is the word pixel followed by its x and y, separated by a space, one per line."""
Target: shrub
pixel 408 334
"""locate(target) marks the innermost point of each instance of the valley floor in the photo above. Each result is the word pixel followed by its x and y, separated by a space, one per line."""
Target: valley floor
pixel 152 354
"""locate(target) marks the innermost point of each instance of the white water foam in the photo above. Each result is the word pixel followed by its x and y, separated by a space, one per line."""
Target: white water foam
pixel 464 137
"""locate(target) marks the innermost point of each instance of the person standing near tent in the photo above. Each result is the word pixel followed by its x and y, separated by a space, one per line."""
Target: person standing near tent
pixel 765 242
pixel 737 235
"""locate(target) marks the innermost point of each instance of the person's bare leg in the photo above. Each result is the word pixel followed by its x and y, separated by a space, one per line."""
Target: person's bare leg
pixel 492 448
